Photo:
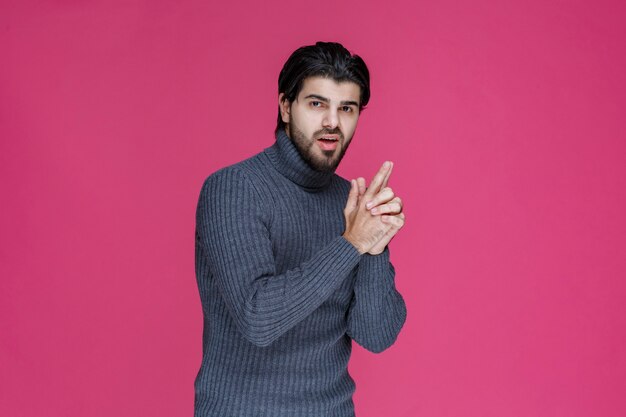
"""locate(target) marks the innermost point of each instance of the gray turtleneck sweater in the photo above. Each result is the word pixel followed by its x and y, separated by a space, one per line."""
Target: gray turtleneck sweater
pixel 282 292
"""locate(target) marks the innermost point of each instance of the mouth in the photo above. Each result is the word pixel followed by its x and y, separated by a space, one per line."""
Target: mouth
pixel 328 142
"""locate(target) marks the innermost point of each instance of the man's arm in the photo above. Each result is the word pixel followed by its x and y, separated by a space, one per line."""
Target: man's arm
pixel 232 231
pixel 377 312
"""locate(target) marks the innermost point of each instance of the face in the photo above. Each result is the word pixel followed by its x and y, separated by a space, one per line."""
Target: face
pixel 322 120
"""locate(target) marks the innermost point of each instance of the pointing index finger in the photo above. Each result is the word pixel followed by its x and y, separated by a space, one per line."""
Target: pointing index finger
pixel 381 177
pixel 386 180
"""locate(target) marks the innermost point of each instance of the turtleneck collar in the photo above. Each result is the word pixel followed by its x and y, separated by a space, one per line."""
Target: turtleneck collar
pixel 287 160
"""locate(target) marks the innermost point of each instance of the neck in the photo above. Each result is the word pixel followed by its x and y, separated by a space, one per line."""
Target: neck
pixel 287 160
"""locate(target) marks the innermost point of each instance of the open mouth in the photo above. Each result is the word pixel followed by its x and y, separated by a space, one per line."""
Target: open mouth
pixel 328 143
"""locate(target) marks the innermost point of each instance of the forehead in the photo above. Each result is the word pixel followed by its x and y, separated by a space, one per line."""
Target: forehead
pixel 331 89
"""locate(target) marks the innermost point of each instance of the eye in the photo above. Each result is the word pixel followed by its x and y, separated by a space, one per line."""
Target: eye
pixel 347 109
pixel 316 103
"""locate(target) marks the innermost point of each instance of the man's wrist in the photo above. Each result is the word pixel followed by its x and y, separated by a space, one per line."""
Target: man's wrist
pixel 378 252
pixel 358 247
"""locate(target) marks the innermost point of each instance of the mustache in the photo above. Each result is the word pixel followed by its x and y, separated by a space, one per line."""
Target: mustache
pixel 335 131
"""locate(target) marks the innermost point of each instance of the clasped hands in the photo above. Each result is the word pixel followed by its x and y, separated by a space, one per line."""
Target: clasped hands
pixel 374 214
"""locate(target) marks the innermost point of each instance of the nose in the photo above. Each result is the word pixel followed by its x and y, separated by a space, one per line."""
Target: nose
pixel 330 119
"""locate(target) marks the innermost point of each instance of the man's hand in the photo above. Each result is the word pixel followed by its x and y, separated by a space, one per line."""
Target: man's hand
pixel 386 204
pixel 373 215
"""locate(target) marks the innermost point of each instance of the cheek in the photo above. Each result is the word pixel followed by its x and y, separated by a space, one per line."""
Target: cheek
pixel 312 126
pixel 305 119
pixel 349 127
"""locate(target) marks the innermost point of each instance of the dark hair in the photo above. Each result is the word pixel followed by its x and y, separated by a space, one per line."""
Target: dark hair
pixel 326 59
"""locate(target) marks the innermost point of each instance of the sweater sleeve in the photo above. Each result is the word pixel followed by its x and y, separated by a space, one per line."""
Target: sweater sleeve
pixel 377 311
pixel 231 225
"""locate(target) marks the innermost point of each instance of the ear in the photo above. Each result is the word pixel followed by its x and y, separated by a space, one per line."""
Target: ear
pixel 285 107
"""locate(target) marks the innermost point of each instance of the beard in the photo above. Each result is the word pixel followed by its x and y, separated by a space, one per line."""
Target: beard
pixel 329 160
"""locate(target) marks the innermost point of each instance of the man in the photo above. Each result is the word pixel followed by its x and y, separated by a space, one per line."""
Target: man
pixel 292 260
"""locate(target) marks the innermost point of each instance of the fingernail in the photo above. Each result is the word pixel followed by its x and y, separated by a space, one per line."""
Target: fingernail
pixel 374 211
pixel 369 205
pixel 386 164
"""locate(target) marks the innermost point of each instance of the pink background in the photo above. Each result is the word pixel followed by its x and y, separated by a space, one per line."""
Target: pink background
pixel 506 123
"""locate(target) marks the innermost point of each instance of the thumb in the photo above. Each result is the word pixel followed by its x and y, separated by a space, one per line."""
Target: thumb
pixel 353 197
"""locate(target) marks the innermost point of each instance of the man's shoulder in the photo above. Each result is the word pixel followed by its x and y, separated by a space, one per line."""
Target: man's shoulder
pixel 241 167
pixel 239 174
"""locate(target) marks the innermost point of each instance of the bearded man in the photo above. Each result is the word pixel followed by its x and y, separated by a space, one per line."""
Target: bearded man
pixel 292 262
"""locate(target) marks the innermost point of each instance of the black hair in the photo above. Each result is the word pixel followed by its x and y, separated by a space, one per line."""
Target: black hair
pixel 326 59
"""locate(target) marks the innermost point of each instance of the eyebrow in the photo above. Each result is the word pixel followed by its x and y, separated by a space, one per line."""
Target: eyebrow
pixel 325 100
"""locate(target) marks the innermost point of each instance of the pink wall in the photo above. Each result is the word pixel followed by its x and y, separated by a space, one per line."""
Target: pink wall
pixel 506 123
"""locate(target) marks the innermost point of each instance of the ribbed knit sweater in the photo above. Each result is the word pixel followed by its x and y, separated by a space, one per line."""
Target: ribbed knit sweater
pixel 282 292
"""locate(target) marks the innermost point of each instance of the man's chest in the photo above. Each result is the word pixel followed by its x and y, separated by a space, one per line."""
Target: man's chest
pixel 302 223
